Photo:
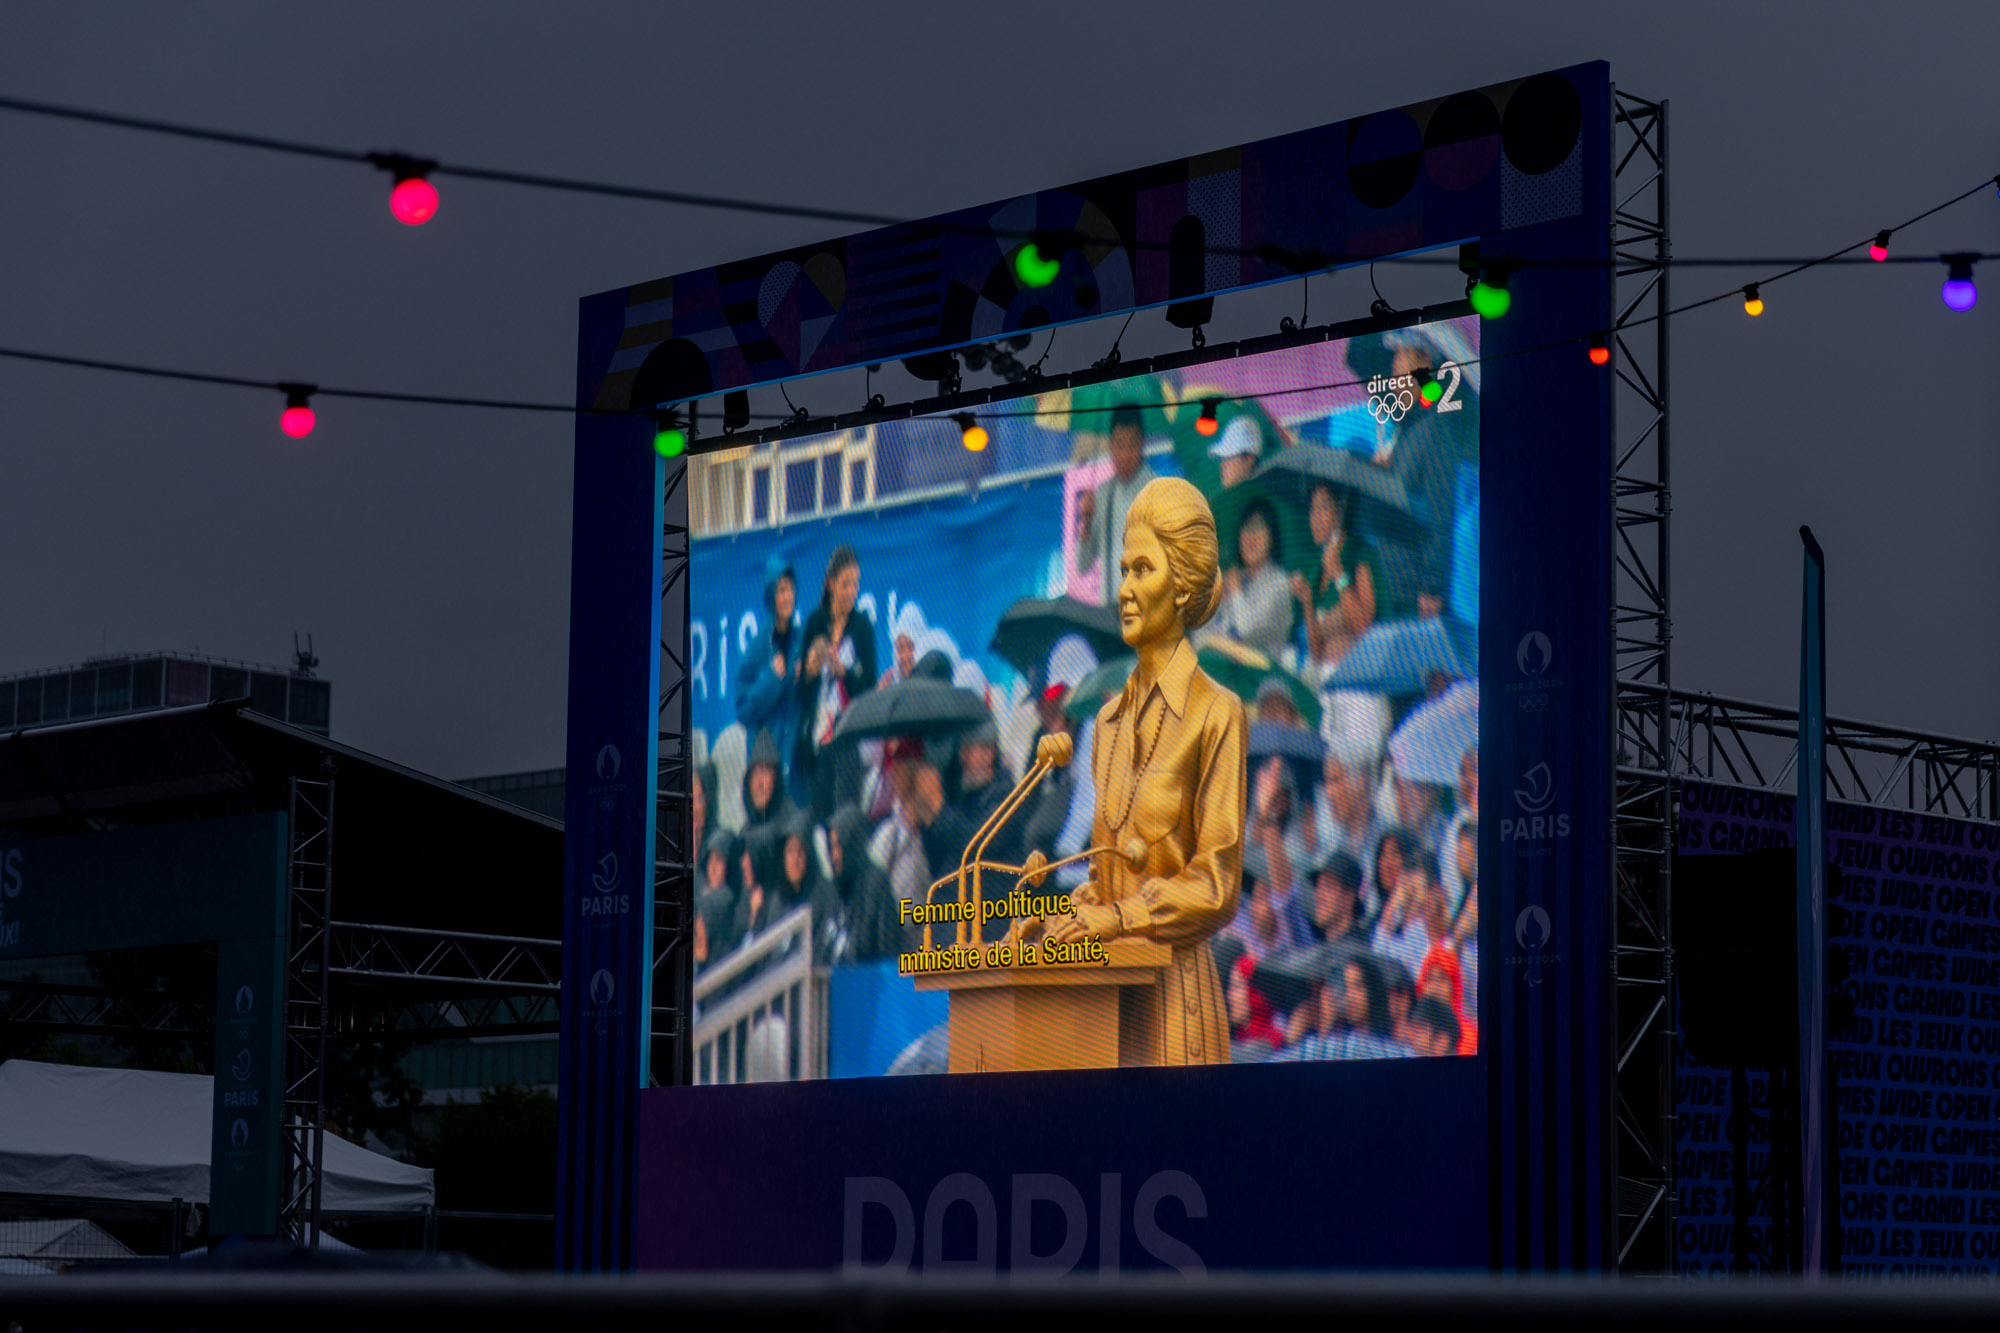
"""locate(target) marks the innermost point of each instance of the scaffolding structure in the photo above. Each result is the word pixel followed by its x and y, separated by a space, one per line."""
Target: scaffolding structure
pixel 309 912
pixel 672 1032
pixel 1642 955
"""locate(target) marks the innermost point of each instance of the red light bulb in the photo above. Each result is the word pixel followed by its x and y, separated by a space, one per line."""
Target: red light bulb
pixel 414 201
pixel 1878 249
pixel 296 422
pixel 1600 356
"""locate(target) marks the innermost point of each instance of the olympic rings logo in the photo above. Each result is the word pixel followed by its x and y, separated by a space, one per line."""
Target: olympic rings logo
pixel 1388 407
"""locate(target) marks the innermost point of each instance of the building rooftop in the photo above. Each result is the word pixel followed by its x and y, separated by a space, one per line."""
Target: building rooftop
pixel 138 682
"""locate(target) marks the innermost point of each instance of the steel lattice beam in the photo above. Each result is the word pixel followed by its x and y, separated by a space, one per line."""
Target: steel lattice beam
pixel 90 1011
pixel 446 960
pixel 309 904
pixel 1743 743
pixel 673 859
pixel 1643 1187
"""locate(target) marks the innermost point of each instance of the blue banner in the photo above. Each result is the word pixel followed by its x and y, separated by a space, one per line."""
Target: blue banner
pixel 959 561
pixel 609 819
pixel 246 1154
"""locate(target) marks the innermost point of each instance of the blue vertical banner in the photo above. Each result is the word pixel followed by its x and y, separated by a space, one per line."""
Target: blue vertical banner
pixel 1812 907
pixel 613 750
pixel 246 1153
pixel 1544 752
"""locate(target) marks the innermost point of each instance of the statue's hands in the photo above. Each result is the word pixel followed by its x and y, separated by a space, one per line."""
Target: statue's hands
pixel 1090 919
pixel 1024 928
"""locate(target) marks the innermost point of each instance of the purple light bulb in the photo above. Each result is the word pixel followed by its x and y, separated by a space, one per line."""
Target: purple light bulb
pixel 1959 292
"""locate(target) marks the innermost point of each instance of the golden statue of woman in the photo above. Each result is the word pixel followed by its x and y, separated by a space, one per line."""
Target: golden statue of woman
pixel 1169 763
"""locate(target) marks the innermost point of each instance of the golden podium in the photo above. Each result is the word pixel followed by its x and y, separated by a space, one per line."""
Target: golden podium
pixel 1052 1015
pixel 1046 1015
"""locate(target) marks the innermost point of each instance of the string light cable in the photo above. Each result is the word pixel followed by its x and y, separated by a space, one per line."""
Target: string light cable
pixel 413 200
pixel 1958 293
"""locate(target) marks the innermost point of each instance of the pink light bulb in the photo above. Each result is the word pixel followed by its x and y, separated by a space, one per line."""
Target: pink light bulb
pixel 414 201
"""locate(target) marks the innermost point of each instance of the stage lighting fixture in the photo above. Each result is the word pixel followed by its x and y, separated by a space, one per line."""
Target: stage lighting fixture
pixel 297 419
pixel 735 410
pixel 936 367
pixel 1878 249
pixel 1959 291
pixel 1206 424
pixel 1753 304
pixel 970 433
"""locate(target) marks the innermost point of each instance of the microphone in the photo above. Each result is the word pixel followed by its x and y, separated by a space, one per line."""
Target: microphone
pixel 1051 752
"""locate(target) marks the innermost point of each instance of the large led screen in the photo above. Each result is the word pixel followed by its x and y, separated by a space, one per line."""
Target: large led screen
pixel 1130 724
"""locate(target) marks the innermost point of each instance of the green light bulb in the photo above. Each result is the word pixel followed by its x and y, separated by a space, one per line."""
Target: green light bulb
pixel 1491 302
pixel 670 443
pixel 1433 391
pixel 1032 269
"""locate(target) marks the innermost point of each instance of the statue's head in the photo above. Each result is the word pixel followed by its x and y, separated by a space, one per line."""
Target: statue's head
pixel 1168 582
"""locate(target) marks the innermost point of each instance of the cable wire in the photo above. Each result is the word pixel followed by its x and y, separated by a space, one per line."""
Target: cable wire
pixel 1298 261
pixel 518 405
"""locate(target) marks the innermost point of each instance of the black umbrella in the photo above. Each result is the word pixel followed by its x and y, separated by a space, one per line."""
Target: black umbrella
pixel 1286 977
pixel 1029 630
pixel 1095 690
pixel 1303 464
pixel 918 706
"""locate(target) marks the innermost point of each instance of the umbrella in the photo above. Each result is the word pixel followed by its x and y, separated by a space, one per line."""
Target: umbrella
pixel 1292 543
pixel 1269 739
pixel 1303 750
pixel 1286 977
pixel 1202 468
pixel 1029 630
pixel 918 706
pixel 1432 741
pixel 1237 669
pixel 1401 656
pixel 1379 504
pixel 1095 690
pixel 1304 464
pixel 1241 670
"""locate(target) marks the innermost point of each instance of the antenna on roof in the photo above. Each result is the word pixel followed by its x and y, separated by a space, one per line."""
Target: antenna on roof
pixel 303 659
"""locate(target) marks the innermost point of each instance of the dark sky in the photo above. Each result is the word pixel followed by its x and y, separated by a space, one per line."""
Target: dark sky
pixel 427 549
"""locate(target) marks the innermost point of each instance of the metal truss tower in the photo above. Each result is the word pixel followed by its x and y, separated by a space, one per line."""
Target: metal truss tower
pixel 309 911
pixel 1646 1029
pixel 674 854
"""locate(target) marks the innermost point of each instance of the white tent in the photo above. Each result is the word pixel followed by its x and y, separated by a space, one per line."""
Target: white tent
pixel 136 1135
pixel 59 1240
